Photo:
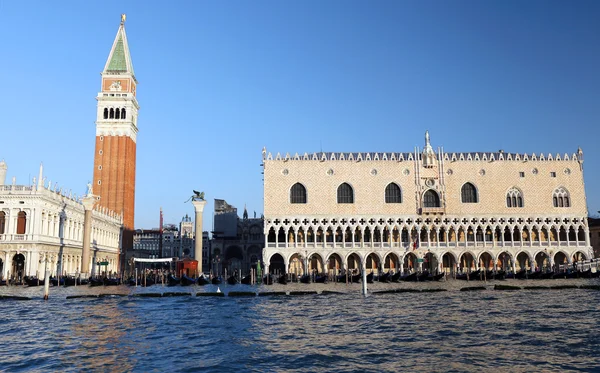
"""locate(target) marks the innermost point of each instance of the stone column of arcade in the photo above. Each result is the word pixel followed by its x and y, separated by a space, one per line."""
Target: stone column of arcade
pixel 88 204
pixel 199 208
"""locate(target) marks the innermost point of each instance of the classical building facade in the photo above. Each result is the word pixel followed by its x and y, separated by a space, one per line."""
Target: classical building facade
pixel 116 135
pixel 423 210
pixel 40 223
pixel 236 243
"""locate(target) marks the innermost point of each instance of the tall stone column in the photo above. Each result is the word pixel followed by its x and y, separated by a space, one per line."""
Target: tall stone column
pixel 199 208
pixel 88 204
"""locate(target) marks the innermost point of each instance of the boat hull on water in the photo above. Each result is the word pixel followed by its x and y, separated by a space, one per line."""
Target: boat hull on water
pixel 187 281
pixel 202 280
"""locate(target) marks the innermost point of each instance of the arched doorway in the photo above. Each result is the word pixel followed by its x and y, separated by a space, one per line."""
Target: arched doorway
pixel 448 263
pixel 578 256
pixel 542 262
pixel 391 263
pixel 504 262
pixel 315 264
pixel 233 260
pixel 354 263
pixel 560 261
pixel 296 266
pixel 18 267
pixel 486 261
pixel 523 262
pixel 373 263
pixel 277 264
pixel 335 264
pixel 410 263
pixel 466 263
pixel 430 263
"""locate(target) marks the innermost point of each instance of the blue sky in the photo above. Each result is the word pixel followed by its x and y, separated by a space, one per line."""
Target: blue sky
pixel 220 80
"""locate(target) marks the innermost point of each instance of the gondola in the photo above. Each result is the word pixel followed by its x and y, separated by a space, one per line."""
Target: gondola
pixel 370 278
pixel 282 279
pixel 547 275
pixel 246 280
pixel 341 278
pixel 424 276
pixel 521 275
pixel 202 280
pixel 410 277
pixel 112 281
pixel 585 274
pixel 75 281
pixel 385 277
pixel 469 276
pixel 216 280
pixel 355 278
pixel 131 281
pixel 535 275
pixel 3 283
pixel 595 274
pixel 232 280
pixel 34 281
pixel 186 280
pixel 500 275
pixel 438 277
pixel 396 277
pixel 560 275
pixel 305 279
pixel 96 282
pixel 172 280
pixel 321 279
pixel 55 282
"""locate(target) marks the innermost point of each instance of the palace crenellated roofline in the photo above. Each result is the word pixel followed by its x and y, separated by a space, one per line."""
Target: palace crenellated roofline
pixel 417 155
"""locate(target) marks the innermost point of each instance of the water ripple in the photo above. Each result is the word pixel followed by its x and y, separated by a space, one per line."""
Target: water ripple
pixel 453 331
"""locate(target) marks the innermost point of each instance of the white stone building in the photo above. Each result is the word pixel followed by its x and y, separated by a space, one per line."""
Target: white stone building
pixel 39 222
pixel 424 210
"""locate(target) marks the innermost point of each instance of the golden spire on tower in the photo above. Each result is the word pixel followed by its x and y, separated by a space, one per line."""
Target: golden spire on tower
pixel 123 17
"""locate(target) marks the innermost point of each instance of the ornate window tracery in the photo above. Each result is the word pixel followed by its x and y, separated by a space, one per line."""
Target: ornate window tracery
pixel 514 198
pixel 560 198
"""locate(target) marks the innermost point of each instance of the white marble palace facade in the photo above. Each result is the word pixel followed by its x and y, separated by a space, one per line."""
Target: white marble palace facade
pixel 424 210
pixel 39 222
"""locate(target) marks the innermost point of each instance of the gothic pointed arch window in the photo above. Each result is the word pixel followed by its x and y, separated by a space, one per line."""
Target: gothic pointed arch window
pixel 468 193
pixel 393 193
pixel 345 194
pixel 514 198
pixel 105 113
pixel 560 198
pixel 298 193
pixel 117 113
pixel 123 113
pixel 431 199
pixel 112 113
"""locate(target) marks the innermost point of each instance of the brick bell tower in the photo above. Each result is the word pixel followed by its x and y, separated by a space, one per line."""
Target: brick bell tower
pixel 116 134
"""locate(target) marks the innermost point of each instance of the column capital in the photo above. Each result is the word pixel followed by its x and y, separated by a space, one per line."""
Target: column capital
pixel 89 201
pixel 199 205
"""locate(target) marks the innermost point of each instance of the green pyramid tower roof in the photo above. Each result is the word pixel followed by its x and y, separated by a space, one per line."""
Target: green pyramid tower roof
pixel 119 59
